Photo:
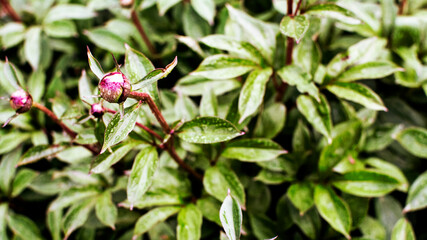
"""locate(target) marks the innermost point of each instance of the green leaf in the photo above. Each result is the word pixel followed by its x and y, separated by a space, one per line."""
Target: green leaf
pixel 196 86
pixel 76 216
pixel 388 211
pixel 222 66
pixel 240 49
pixel 307 55
pixel 103 161
pixel 119 127
pixel 301 196
pixel 23 227
pixel 271 121
pixel 381 137
pixel 12 140
pixel 39 152
pixel 309 223
pixel 22 180
pixel 11 34
pixel 137 65
pixel 403 230
pixel 317 113
pixel 209 207
pixel 301 138
pixel 85 90
pixel 107 40
pixel 366 183
pixel 294 27
pixel 8 169
pixel 253 150
pixel 11 76
pixel 205 8
pixel 333 209
pixel 333 11
pixel 369 70
pixel 262 35
pixel 252 93
pixel 94 65
pixel 414 140
pixel 294 76
pixel 164 5
pixel 36 84
pixel 68 11
pixel 141 176
pixel 105 209
pixel 189 17
pixel 272 178
pixel 231 217
pixel 71 196
pixel 372 228
pixel 54 223
pixel 390 170
pixel 358 93
pixel 60 29
pixel 3 220
pixel 218 179
pixel 155 75
pixel 153 217
pixel 417 194
pixel 189 223
pixel 209 104
pixel 32 46
pixel 206 130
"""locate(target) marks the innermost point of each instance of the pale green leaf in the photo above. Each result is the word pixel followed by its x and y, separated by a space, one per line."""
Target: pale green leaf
pixel 294 76
pixel 137 65
pixel 54 223
pixel 164 5
pixel 366 183
pixel 222 66
pixel 253 150
pixel 403 230
pixel 209 104
pixel 294 27
pixel 333 11
pixel 301 195
pixel 231 217
pixel 189 223
pixel 207 130
pixel 196 85
pixel 106 210
pixel 317 113
pixel 271 121
pixel 103 161
pixel 153 217
pixel 209 207
pixel 22 179
pixel 371 228
pixel 68 11
pixel 155 75
pixel 8 169
pixel 107 40
pixel 60 29
pixel 32 46
pixel 390 170
pixel 94 65
pixel 3 220
pixel 414 139
pixel 12 77
pixel 273 178
pixel 141 176
pixel 39 152
pixel 71 196
pixel 12 140
pixel 205 8
pixel 358 93
pixel 85 89
pixel 417 196
pixel 76 216
pixel 252 93
pixel 333 209
pixel 36 84
pixel 23 227
pixel 369 70
pixel 218 179
pixel 11 34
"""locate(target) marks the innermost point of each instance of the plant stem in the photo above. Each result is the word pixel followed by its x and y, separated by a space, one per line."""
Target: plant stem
pixel 9 10
pixel 169 147
pixel 154 109
pixel 141 31
pixel 64 127
pixel 402 6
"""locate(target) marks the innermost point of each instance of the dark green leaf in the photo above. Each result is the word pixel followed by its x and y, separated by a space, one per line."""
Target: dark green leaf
pixel 414 140
pixel 369 70
pixel 39 152
pixel 23 227
pixel 358 93
pixel 153 217
pixel 105 209
pixel 333 209
pixel 271 121
pixel 333 11
pixel 366 183
pixel 262 226
pixel 209 207
pixel 222 66
pixel 390 170
pixel 119 127
pixel 141 176
pixel 301 196
pixel 403 230
pixel 388 211
pixel 22 179
pixel 218 179
pixel 317 113
pixel 231 217
pixel 381 137
pixel 252 93
pixel 294 27
pixel 294 76
pixel 417 194
pixel 272 178
pixel 189 223
pixel 253 150
pixel 207 130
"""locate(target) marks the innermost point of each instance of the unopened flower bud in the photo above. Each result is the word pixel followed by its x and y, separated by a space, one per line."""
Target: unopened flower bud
pixel 97 110
pixel 21 101
pixel 114 87
pixel 126 3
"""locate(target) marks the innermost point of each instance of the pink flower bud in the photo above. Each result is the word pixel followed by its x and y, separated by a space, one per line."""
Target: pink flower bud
pixel 96 110
pixel 21 101
pixel 114 87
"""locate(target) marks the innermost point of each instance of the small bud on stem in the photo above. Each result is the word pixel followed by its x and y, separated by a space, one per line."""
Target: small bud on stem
pixel 21 101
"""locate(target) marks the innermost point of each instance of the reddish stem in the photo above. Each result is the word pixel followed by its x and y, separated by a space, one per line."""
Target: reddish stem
pixel 64 127
pixel 9 10
pixel 402 6
pixel 169 147
pixel 141 31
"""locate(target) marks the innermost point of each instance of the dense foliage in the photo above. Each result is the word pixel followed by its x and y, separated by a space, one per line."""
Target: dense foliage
pixel 184 136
